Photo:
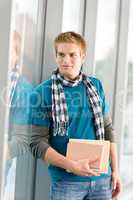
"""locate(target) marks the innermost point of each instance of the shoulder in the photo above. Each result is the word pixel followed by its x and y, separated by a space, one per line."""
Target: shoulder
pixel 95 81
pixel 98 85
pixel 42 91
pixel 44 87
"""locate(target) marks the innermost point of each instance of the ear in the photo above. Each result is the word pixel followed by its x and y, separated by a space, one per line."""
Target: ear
pixel 83 57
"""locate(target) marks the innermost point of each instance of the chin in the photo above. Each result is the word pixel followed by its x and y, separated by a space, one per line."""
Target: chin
pixel 66 71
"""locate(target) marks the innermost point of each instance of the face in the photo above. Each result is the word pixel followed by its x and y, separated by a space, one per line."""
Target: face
pixel 69 59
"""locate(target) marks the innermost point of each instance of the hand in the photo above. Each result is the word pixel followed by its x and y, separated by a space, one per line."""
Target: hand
pixel 116 185
pixel 82 168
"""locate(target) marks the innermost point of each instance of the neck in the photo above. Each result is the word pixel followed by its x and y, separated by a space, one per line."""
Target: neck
pixel 71 78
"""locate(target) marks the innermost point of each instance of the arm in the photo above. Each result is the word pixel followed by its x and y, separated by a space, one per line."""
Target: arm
pixel 114 159
pixel 80 167
pixel 41 123
pixel 110 135
pixel 116 182
pixel 41 149
pixel 39 141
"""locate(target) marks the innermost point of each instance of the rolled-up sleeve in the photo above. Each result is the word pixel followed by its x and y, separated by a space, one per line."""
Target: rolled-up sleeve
pixel 39 141
pixel 40 125
pixel 108 126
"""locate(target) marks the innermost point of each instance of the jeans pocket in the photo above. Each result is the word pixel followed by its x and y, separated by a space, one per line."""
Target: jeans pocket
pixel 104 184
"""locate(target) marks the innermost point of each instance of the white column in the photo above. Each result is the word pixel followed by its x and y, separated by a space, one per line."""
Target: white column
pixel 5 15
pixel 121 73
pixel 90 33
pixel 53 27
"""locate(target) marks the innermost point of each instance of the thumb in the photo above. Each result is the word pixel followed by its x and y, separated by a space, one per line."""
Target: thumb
pixel 113 183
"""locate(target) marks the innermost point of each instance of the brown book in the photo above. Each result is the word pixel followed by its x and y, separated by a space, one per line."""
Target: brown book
pixel 105 157
pixel 79 149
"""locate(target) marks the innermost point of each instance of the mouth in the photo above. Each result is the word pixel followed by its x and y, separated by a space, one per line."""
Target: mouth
pixel 66 66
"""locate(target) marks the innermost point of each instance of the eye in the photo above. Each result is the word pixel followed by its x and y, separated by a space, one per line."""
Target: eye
pixel 61 55
pixel 72 55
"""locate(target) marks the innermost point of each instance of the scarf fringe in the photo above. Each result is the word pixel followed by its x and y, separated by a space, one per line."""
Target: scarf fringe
pixel 60 129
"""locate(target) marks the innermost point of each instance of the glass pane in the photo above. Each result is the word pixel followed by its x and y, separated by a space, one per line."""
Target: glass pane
pixel 127 151
pixel 24 65
pixel 72 15
pixel 105 43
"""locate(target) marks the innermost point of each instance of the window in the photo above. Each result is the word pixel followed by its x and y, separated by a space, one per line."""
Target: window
pixel 127 151
pixel 72 15
pixel 24 65
pixel 105 49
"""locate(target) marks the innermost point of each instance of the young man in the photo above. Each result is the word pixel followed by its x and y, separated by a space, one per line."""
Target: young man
pixel 72 105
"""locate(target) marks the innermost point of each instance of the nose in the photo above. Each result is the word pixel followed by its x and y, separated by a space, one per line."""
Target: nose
pixel 66 59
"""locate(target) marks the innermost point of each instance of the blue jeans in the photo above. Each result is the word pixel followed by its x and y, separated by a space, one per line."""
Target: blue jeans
pixel 92 190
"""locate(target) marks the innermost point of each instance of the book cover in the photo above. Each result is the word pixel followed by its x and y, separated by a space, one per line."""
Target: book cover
pixel 79 149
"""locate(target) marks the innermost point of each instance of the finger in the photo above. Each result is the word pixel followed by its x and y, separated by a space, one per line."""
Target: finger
pixel 93 161
pixel 113 184
pixel 97 171
pixel 116 192
pixel 93 173
pixel 89 174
